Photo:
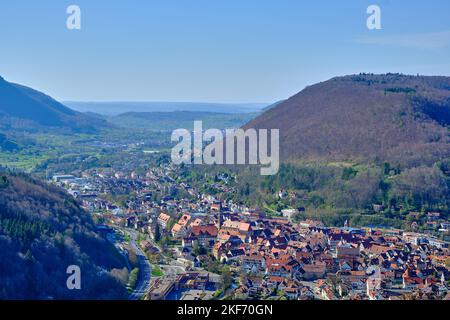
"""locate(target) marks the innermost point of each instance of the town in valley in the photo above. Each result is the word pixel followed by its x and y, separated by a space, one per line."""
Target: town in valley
pixel 193 245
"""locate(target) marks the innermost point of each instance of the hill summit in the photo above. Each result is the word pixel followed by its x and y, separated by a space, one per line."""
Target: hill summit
pixel 43 230
pixel 22 106
pixel 390 117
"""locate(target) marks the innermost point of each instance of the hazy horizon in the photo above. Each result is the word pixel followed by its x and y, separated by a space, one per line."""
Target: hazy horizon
pixel 113 108
pixel 229 51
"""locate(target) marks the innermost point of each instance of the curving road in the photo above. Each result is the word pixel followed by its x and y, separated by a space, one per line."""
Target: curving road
pixel 145 270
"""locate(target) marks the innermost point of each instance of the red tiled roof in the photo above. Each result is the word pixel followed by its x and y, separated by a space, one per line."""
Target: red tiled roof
pixel 209 230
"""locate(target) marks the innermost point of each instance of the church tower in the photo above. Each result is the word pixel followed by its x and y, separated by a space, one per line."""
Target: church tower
pixel 219 218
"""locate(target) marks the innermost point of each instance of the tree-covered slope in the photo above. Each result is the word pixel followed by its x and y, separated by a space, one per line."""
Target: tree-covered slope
pixel 21 106
pixel 395 118
pixel 42 232
pixel 371 149
pixel 6 144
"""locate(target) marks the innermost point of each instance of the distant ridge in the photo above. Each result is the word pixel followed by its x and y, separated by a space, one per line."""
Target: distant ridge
pixel 19 103
pixel 116 108
pixel 167 121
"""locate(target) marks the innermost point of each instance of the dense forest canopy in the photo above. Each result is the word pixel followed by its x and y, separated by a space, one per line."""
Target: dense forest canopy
pixel 42 232
pixel 371 149
pixel 391 118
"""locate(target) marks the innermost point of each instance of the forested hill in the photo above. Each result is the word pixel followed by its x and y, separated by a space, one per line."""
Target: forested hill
pixel 392 117
pixel 27 109
pixel 359 142
pixel 6 144
pixel 43 231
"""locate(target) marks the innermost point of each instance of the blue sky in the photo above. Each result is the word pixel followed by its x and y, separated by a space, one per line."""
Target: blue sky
pixel 214 50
